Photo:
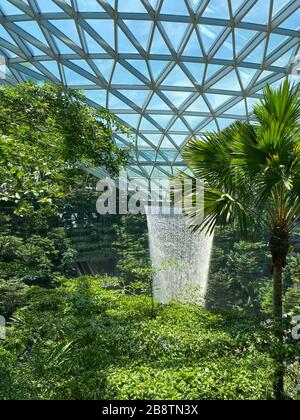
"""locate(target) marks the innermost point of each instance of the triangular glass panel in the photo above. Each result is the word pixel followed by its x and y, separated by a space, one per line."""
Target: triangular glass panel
pixel 132 6
pixel 250 104
pixel 177 78
pixel 123 76
pixel 92 46
pixel 129 119
pixel 175 32
pixel 179 125
pixel 147 125
pixel 105 67
pixel 141 66
pixel 242 38
pixel 238 109
pixel 275 42
pixel 75 79
pixel 124 44
pixel 162 120
pixel 259 13
pixel 179 139
pixel 292 22
pixel 6 36
pixel 89 6
pixel 157 67
pixel 32 67
pixel 104 28
pixel 229 82
pixel 209 35
pixel 158 173
pixel 226 50
pixel 198 105
pixel 170 155
pixel 212 126
pixel 177 98
pixel 192 48
pixel 157 104
pixel 167 144
pixel 83 65
pixel 195 4
pixel 68 28
pixel 193 121
pixel 141 31
pixel 264 75
pixel 52 66
pixel 114 102
pixel 97 96
pixel 284 60
pixel 236 4
pixel 217 100
pixel 34 50
pixel 158 44
pixel 138 97
pixel 257 55
pixel 9 9
pixel 142 143
pixel 217 9
pixel 212 70
pixel 171 7
pixel 33 29
pixel 62 47
pixel 278 6
pixel 224 123
pixel 154 138
pixel 196 70
pixel 150 155
pixel 246 75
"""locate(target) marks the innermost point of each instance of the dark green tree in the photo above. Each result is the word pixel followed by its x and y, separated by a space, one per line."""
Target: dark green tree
pixel 48 135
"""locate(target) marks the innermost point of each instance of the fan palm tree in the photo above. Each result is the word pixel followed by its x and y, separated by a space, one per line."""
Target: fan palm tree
pixel 252 177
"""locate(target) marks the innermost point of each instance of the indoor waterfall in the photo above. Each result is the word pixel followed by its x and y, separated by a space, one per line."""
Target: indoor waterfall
pixel 180 258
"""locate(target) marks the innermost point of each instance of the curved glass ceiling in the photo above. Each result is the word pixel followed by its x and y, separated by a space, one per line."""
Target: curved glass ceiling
pixel 169 69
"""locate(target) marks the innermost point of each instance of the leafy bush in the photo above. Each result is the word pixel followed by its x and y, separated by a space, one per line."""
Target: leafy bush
pixel 12 296
pixel 36 260
pixel 81 341
pixel 240 273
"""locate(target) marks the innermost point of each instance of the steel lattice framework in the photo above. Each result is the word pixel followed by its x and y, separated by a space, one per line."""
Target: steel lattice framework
pixel 170 69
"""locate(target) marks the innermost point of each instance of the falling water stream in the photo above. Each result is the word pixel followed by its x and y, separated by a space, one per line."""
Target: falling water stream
pixel 180 258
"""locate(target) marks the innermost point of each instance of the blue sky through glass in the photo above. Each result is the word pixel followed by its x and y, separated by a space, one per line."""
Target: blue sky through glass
pixel 168 69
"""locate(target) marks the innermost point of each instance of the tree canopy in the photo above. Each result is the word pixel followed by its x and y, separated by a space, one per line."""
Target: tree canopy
pixel 46 133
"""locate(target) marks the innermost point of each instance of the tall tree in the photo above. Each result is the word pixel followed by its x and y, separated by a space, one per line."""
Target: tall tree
pixel 46 134
pixel 252 177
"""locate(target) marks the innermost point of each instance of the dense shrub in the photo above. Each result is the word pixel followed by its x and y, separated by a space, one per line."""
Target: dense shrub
pixel 81 341
pixel 36 259
pixel 12 296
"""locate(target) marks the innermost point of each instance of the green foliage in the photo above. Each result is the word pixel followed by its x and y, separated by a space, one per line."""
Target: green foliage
pixel 12 296
pixel 292 384
pixel 239 273
pixel 36 259
pixel 44 133
pixel 132 250
pixel 81 341
pixel 47 134
pixel 291 295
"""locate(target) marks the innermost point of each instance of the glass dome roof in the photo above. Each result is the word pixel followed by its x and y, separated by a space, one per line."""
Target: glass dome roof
pixel 169 69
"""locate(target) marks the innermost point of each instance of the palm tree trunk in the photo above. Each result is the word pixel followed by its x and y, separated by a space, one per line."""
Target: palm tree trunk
pixel 279 245
pixel 278 331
